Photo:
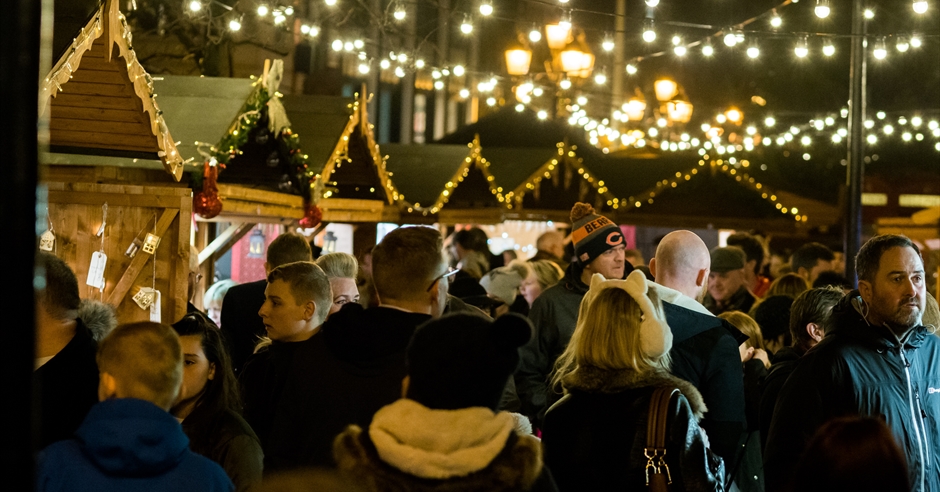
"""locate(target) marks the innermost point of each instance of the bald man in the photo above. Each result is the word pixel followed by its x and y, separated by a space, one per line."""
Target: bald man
pixel 705 348
pixel 551 246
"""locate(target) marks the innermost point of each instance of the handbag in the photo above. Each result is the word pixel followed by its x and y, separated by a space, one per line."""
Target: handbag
pixel 658 477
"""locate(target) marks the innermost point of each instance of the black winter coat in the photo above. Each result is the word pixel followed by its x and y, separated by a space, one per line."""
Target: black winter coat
pixel 784 362
pixel 705 353
pixel 67 386
pixel 859 369
pixel 231 443
pixel 594 437
pixel 241 325
pixel 343 375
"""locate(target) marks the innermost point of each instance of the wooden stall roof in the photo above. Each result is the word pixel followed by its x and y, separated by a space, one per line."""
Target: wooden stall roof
pixel 102 100
pixel 200 109
pixel 340 144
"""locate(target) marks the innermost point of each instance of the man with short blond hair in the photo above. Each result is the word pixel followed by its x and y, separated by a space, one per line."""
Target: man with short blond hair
pixel 355 364
pixel 129 441
pixel 241 323
pixel 297 300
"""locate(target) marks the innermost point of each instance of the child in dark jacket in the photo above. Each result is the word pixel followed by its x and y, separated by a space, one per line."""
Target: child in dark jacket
pixel 128 441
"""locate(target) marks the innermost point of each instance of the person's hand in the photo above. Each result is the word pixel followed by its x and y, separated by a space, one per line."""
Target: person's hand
pixel 762 355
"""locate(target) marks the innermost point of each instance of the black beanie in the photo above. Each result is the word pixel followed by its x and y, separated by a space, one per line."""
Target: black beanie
pixel 464 360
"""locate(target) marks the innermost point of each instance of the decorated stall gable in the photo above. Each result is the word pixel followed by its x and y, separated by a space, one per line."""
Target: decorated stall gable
pixel 560 182
pixel 102 99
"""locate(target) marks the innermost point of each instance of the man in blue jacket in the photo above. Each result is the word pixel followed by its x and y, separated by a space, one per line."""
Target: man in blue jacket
pixel 128 441
pixel 879 360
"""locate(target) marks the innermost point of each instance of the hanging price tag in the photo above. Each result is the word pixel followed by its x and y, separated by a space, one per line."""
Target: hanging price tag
pixel 96 270
pixel 144 297
pixel 155 307
pixel 47 241
pixel 150 243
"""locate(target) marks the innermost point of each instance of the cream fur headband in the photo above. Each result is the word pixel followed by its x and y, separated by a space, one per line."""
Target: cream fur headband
pixel 655 335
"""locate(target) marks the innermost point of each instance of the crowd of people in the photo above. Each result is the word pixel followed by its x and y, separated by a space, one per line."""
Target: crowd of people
pixel 435 365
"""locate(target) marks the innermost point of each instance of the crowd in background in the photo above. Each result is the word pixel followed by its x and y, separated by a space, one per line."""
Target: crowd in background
pixel 433 364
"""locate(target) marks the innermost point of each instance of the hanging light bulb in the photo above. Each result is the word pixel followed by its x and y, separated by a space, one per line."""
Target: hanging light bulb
pixel 652 3
pixel 802 48
pixel 920 6
pixel 880 51
pixel 753 51
pixel 731 39
pixel 385 64
pixel 438 85
pixel 775 20
pixel 486 8
pixel 314 30
pixel 195 6
pixel 828 48
pixel 600 78
pixel 822 9
pixel 262 10
pixel 707 48
pixel 608 43
pixel 770 121
pixel 869 14
pixel 649 34
pixel 565 84
pixel 364 68
pixel 680 50
pixel 466 26
pixel 916 42
pixel 399 13
pixel 565 20
pixel 289 10
pixel 902 45
pixel 234 25
pixel 631 69
pixel 535 34
pixel 459 70
pixel 464 93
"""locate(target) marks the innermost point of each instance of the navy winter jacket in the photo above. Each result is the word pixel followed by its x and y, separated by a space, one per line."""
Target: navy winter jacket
pixel 859 369
pixel 128 445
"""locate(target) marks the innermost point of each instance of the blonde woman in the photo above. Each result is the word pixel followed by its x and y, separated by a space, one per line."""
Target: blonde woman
pixel 540 275
pixel 213 299
pixel 594 437
pixel 754 347
pixel 341 269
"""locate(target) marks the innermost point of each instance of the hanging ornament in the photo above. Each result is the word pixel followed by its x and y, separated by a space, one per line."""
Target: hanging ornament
pixel 312 216
pixel 207 203
pixel 273 159
pixel 47 241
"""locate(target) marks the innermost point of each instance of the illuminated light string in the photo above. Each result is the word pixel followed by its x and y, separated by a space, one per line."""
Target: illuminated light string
pixel 566 155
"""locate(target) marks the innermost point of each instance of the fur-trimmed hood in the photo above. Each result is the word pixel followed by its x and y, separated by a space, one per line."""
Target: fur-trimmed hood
pixel 591 379
pixel 515 467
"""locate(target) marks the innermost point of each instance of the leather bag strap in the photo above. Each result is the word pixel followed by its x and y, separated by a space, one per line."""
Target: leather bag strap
pixel 656 429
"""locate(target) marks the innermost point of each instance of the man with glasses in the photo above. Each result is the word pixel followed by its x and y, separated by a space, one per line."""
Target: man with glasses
pixel 356 363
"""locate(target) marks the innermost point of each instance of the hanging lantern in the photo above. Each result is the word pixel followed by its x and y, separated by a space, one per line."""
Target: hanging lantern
pixel 635 109
pixel 665 89
pixel 329 242
pixel 518 61
pixel 557 35
pixel 256 244
pixel 680 111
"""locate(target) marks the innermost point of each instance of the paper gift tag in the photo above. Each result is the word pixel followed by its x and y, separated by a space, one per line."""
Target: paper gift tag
pixel 144 297
pixel 47 241
pixel 96 270
pixel 155 307
pixel 150 243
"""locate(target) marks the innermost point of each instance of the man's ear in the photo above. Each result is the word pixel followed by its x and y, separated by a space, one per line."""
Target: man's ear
pixel 815 332
pixel 865 289
pixel 310 309
pixel 267 269
pixel 652 266
pixel 701 277
pixel 107 386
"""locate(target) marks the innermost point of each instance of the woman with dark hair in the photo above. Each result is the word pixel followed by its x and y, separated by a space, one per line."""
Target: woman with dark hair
pixel 209 406
pixel 852 453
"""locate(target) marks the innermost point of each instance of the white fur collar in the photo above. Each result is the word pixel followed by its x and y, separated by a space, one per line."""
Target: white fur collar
pixel 438 444
pixel 673 296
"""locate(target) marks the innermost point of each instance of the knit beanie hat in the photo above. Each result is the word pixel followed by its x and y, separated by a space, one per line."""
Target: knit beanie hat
pixel 464 360
pixel 592 234
pixel 502 283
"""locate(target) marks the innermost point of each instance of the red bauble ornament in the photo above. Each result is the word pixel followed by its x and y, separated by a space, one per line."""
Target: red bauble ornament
pixel 207 203
pixel 312 216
